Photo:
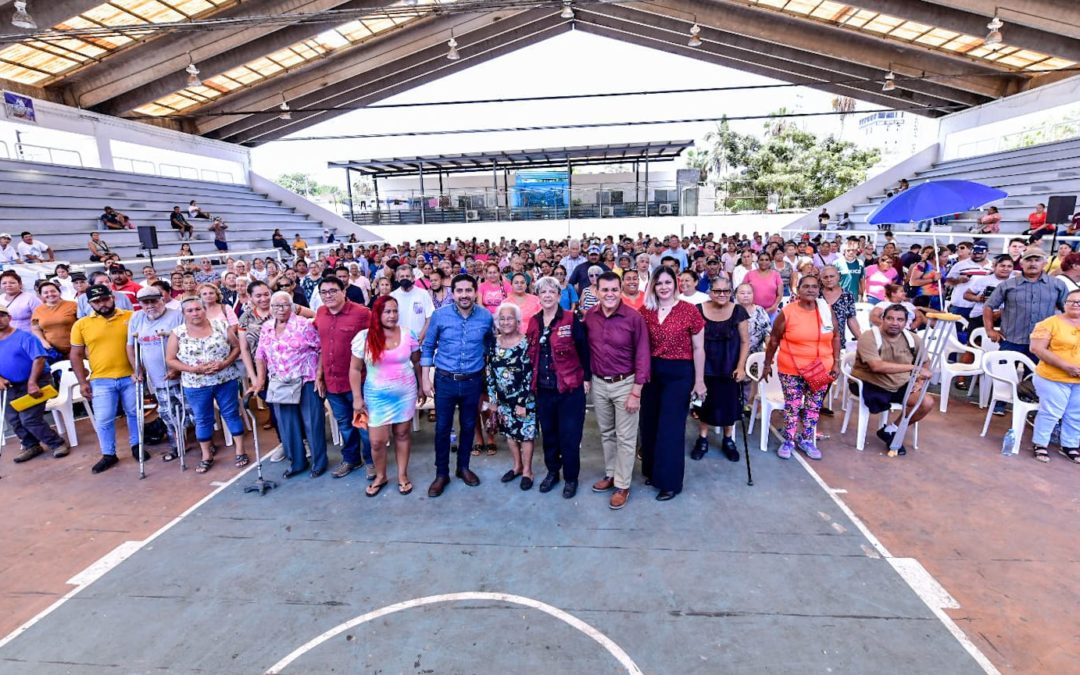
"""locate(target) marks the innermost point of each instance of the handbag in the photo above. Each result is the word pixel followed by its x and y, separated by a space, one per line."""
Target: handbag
pixel 284 390
pixel 815 374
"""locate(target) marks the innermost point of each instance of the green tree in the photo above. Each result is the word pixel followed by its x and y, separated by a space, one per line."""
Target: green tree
pixel 300 183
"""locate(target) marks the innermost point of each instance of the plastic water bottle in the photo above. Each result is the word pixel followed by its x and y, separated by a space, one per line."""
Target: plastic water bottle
pixel 1007 443
pixel 453 437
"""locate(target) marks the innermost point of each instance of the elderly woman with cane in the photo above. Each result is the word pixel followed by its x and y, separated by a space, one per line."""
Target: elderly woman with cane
pixel 205 353
pixel 806 336
pixel 288 354
pixel 727 344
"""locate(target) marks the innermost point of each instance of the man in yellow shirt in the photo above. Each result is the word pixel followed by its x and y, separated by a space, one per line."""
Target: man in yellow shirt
pixel 101 337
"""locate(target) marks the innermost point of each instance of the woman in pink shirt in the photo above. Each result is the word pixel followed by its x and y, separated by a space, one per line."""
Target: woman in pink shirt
pixel 494 290
pixel 767 284
pixel 528 303
pixel 878 277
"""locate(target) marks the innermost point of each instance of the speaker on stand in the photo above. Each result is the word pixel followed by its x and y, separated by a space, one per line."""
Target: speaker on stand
pixel 148 240
pixel 1059 210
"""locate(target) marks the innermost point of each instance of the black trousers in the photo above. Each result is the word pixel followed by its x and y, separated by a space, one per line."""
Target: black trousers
pixel 665 402
pixel 561 418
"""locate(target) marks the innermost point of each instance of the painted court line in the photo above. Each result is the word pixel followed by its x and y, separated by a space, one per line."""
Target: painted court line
pixel 113 558
pixel 622 657
pixel 913 573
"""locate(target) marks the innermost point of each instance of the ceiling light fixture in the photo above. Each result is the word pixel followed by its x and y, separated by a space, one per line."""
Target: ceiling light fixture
pixel 193 75
pixel 994 36
pixel 286 112
pixel 21 18
pixel 567 11
pixel 890 82
pixel 452 54
pixel 695 31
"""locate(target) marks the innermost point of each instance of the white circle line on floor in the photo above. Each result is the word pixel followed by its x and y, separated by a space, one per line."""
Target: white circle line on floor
pixel 617 652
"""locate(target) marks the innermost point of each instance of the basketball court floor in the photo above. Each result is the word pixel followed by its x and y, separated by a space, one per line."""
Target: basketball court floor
pixel 315 578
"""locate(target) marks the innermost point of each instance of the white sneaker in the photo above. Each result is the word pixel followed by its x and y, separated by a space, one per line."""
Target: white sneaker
pixel 278 453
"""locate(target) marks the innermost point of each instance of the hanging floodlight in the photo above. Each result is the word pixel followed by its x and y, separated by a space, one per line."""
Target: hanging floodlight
pixel 567 11
pixel 695 31
pixel 286 112
pixel 452 54
pixel 21 18
pixel 890 82
pixel 192 73
pixel 994 36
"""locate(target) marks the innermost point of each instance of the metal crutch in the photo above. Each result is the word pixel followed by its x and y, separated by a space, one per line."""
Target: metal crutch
pixel 261 485
pixel 938 334
pixel 140 384
pixel 177 417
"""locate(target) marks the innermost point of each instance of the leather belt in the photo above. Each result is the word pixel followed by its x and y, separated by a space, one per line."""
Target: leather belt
pixel 616 378
pixel 458 377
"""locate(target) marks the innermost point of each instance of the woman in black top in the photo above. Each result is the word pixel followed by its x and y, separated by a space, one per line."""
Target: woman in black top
pixel 727 343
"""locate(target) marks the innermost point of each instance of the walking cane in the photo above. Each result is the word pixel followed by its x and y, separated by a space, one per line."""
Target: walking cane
pixel 177 417
pixel 745 442
pixel 3 418
pixel 261 485
pixel 139 391
pixel 938 334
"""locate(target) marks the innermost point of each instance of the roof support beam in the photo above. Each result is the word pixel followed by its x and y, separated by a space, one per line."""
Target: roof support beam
pixel 1059 17
pixel 1051 42
pixel 751 50
pixel 138 76
pixel 766 66
pixel 841 43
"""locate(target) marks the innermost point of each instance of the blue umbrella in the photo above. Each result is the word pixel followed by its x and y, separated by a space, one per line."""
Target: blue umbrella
pixel 933 199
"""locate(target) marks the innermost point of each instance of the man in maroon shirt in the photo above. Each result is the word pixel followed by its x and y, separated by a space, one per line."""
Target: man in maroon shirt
pixel 337 322
pixel 619 345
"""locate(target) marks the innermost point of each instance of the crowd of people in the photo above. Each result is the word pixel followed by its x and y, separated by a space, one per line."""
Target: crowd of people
pixel 512 339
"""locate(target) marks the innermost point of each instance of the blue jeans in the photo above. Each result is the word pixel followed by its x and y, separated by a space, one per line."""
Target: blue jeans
pixel 202 408
pixel 108 392
pixel 29 425
pixel 463 395
pixel 1007 346
pixel 355 444
pixel 1059 402
pixel 297 420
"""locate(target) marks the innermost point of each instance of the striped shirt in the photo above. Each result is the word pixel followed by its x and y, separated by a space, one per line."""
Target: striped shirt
pixel 1024 303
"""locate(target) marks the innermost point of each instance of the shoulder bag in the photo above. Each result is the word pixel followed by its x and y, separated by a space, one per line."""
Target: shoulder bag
pixel 815 373
pixel 282 390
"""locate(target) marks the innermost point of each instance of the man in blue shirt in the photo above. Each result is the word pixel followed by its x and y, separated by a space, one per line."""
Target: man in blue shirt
pixel 22 372
pixel 456 344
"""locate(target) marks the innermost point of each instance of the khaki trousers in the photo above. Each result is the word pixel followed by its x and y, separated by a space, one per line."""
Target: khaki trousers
pixel 618 428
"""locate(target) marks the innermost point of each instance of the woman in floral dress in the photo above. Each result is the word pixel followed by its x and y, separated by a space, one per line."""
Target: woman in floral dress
pixel 509 383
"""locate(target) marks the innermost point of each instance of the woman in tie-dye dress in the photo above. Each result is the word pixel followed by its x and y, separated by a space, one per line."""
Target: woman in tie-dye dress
pixel 385 370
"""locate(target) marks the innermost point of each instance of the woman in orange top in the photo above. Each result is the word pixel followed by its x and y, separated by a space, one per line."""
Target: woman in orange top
pixel 802 335
pixel 51 321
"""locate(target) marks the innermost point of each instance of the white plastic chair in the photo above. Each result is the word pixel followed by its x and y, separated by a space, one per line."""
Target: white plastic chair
pixel 428 405
pixel 1003 369
pixel 980 341
pixel 853 399
pixel 63 406
pixel 769 397
pixel 862 314
pixel 948 371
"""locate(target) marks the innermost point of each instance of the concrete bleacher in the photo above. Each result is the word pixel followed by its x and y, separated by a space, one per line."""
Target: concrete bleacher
pixel 61 205
pixel 1029 175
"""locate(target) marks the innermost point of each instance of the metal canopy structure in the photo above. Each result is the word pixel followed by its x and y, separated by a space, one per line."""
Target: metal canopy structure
pixel 133 58
pixel 516 159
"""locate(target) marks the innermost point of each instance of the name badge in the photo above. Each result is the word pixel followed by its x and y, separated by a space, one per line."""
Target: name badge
pixel 564 331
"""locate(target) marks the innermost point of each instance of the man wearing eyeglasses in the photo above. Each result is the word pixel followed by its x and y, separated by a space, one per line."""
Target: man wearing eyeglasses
pixel 338 320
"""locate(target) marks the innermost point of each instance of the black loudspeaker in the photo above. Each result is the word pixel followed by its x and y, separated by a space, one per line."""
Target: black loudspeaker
pixel 148 237
pixel 1060 208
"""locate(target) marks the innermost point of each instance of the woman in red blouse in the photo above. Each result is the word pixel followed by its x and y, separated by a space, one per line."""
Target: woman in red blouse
pixel 677 343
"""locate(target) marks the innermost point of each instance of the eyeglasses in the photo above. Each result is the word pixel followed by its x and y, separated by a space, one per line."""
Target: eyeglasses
pixel 273 306
pixel 1074 303
pixel 720 291
pixel 329 291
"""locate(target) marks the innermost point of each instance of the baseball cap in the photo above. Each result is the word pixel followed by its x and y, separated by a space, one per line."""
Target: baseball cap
pixel 5 235
pixel 148 292
pixel 4 309
pixel 712 259
pixel 98 291
pixel 116 267
pixel 1033 252
pixel 594 249
pixel 980 246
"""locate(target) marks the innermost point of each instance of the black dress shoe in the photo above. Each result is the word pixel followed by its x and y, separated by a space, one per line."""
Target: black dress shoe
pixel 526 483
pixel 665 495
pixel 549 482
pixel 468 477
pixel 437 486
pixel 648 481
pixel 569 489
pixel 292 474
pixel 731 453
pixel 509 476
pixel 701 446
pixel 317 472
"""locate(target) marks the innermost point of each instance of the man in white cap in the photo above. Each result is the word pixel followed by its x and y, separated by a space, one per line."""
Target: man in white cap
pixel 151 326
pixel 8 253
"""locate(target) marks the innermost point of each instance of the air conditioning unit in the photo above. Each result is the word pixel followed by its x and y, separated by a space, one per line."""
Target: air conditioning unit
pixel 607 211
pixel 472 214
pixel 666 210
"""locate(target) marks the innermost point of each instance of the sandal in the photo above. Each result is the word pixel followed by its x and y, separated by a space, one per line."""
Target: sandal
pixel 492 449
pixel 204 465
pixel 431 416
pixel 242 460
pixel 475 452
pixel 1072 454
pixel 1041 455
pixel 404 488
pixel 375 488
pixel 170 456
